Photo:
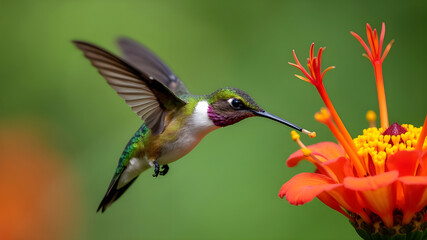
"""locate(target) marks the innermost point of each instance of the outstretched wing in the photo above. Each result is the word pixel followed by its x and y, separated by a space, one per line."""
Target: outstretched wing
pixel 147 97
pixel 146 61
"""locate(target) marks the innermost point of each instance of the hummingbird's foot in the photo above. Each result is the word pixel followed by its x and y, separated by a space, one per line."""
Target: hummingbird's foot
pixel 156 169
pixel 165 169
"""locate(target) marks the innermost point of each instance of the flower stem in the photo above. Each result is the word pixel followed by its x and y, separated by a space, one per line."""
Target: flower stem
pixel 381 94
pixel 422 137
pixel 335 117
pixel 352 154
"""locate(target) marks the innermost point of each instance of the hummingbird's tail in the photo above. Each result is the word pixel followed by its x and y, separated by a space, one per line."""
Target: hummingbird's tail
pixel 128 169
pixel 113 193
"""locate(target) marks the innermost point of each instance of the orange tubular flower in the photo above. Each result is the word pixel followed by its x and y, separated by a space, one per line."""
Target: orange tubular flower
pixel 377 60
pixel 377 180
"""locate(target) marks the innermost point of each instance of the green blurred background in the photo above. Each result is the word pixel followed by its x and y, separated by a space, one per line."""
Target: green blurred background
pixel 227 187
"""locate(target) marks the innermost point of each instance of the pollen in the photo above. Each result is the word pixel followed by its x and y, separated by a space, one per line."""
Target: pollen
pixel 306 152
pixel 295 136
pixel 371 117
pixel 375 146
pixel 323 115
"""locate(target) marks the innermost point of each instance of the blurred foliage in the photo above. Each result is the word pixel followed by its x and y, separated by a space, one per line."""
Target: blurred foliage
pixel 227 187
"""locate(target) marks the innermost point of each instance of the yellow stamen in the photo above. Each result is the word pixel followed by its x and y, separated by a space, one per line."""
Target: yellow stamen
pixel 380 147
pixel 322 116
pixel 311 157
pixel 395 139
pixel 306 152
pixel 371 116
pixel 295 136
pixel 310 134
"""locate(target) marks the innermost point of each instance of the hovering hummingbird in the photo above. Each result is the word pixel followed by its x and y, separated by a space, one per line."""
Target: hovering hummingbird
pixel 174 121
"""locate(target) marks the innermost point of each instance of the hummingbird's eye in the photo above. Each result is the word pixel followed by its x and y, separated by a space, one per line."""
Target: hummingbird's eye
pixel 236 103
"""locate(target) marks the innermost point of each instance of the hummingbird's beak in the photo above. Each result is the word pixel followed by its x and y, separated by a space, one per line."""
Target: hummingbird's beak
pixel 268 115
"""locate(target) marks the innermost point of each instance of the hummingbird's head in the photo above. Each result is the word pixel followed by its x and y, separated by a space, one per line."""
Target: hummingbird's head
pixel 228 106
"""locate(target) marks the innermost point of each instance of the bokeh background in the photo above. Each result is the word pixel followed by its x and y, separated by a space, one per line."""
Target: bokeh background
pixel 62 128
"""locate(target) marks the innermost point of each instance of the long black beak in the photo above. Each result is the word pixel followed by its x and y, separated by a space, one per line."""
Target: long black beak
pixel 280 120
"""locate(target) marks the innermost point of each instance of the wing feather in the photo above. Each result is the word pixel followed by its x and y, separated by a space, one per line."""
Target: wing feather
pixel 147 97
pixel 145 60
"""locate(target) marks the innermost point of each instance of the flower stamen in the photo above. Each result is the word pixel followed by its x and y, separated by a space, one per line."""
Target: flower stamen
pixel 312 157
pixel 296 138
pixel 324 117
pixel 375 147
pixel 371 117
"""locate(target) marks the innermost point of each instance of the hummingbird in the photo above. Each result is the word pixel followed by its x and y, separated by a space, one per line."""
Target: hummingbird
pixel 174 121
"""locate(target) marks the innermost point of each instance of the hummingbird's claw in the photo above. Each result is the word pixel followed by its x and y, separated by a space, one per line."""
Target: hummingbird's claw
pixel 165 169
pixel 156 169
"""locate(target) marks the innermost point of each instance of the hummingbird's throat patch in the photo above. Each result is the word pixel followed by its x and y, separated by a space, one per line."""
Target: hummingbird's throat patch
pixel 223 120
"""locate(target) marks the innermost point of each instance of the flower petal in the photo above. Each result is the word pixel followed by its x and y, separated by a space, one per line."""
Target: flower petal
pixel 377 193
pixel 415 192
pixel 324 150
pixel 349 200
pixel 405 162
pixel 302 188
pixel 422 168
pixel 341 167
pixel 372 182
pixel 329 201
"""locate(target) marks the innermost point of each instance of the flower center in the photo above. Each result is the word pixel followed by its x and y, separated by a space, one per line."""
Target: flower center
pixel 395 129
pixel 377 144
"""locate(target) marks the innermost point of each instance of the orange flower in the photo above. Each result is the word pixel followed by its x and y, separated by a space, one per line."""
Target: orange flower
pixel 40 195
pixel 377 180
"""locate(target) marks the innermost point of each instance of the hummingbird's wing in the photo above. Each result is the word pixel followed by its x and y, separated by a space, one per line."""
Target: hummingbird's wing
pixel 147 97
pixel 146 61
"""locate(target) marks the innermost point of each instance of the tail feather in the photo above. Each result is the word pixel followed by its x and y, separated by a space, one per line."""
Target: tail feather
pixel 113 194
pixel 128 169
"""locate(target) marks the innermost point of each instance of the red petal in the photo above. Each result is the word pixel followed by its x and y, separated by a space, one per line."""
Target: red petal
pixel 302 188
pixel 349 200
pixel 405 162
pixel 300 67
pixel 311 52
pixel 341 167
pixel 415 192
pixel 324 150
pixel 422 168
pixel 380 47
pixel 329 201
pixel 369 33
pixel 377 193
pixel 368 52
pixel 371 183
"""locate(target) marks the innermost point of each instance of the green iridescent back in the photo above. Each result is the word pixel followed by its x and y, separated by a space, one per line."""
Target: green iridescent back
pixel 131 148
